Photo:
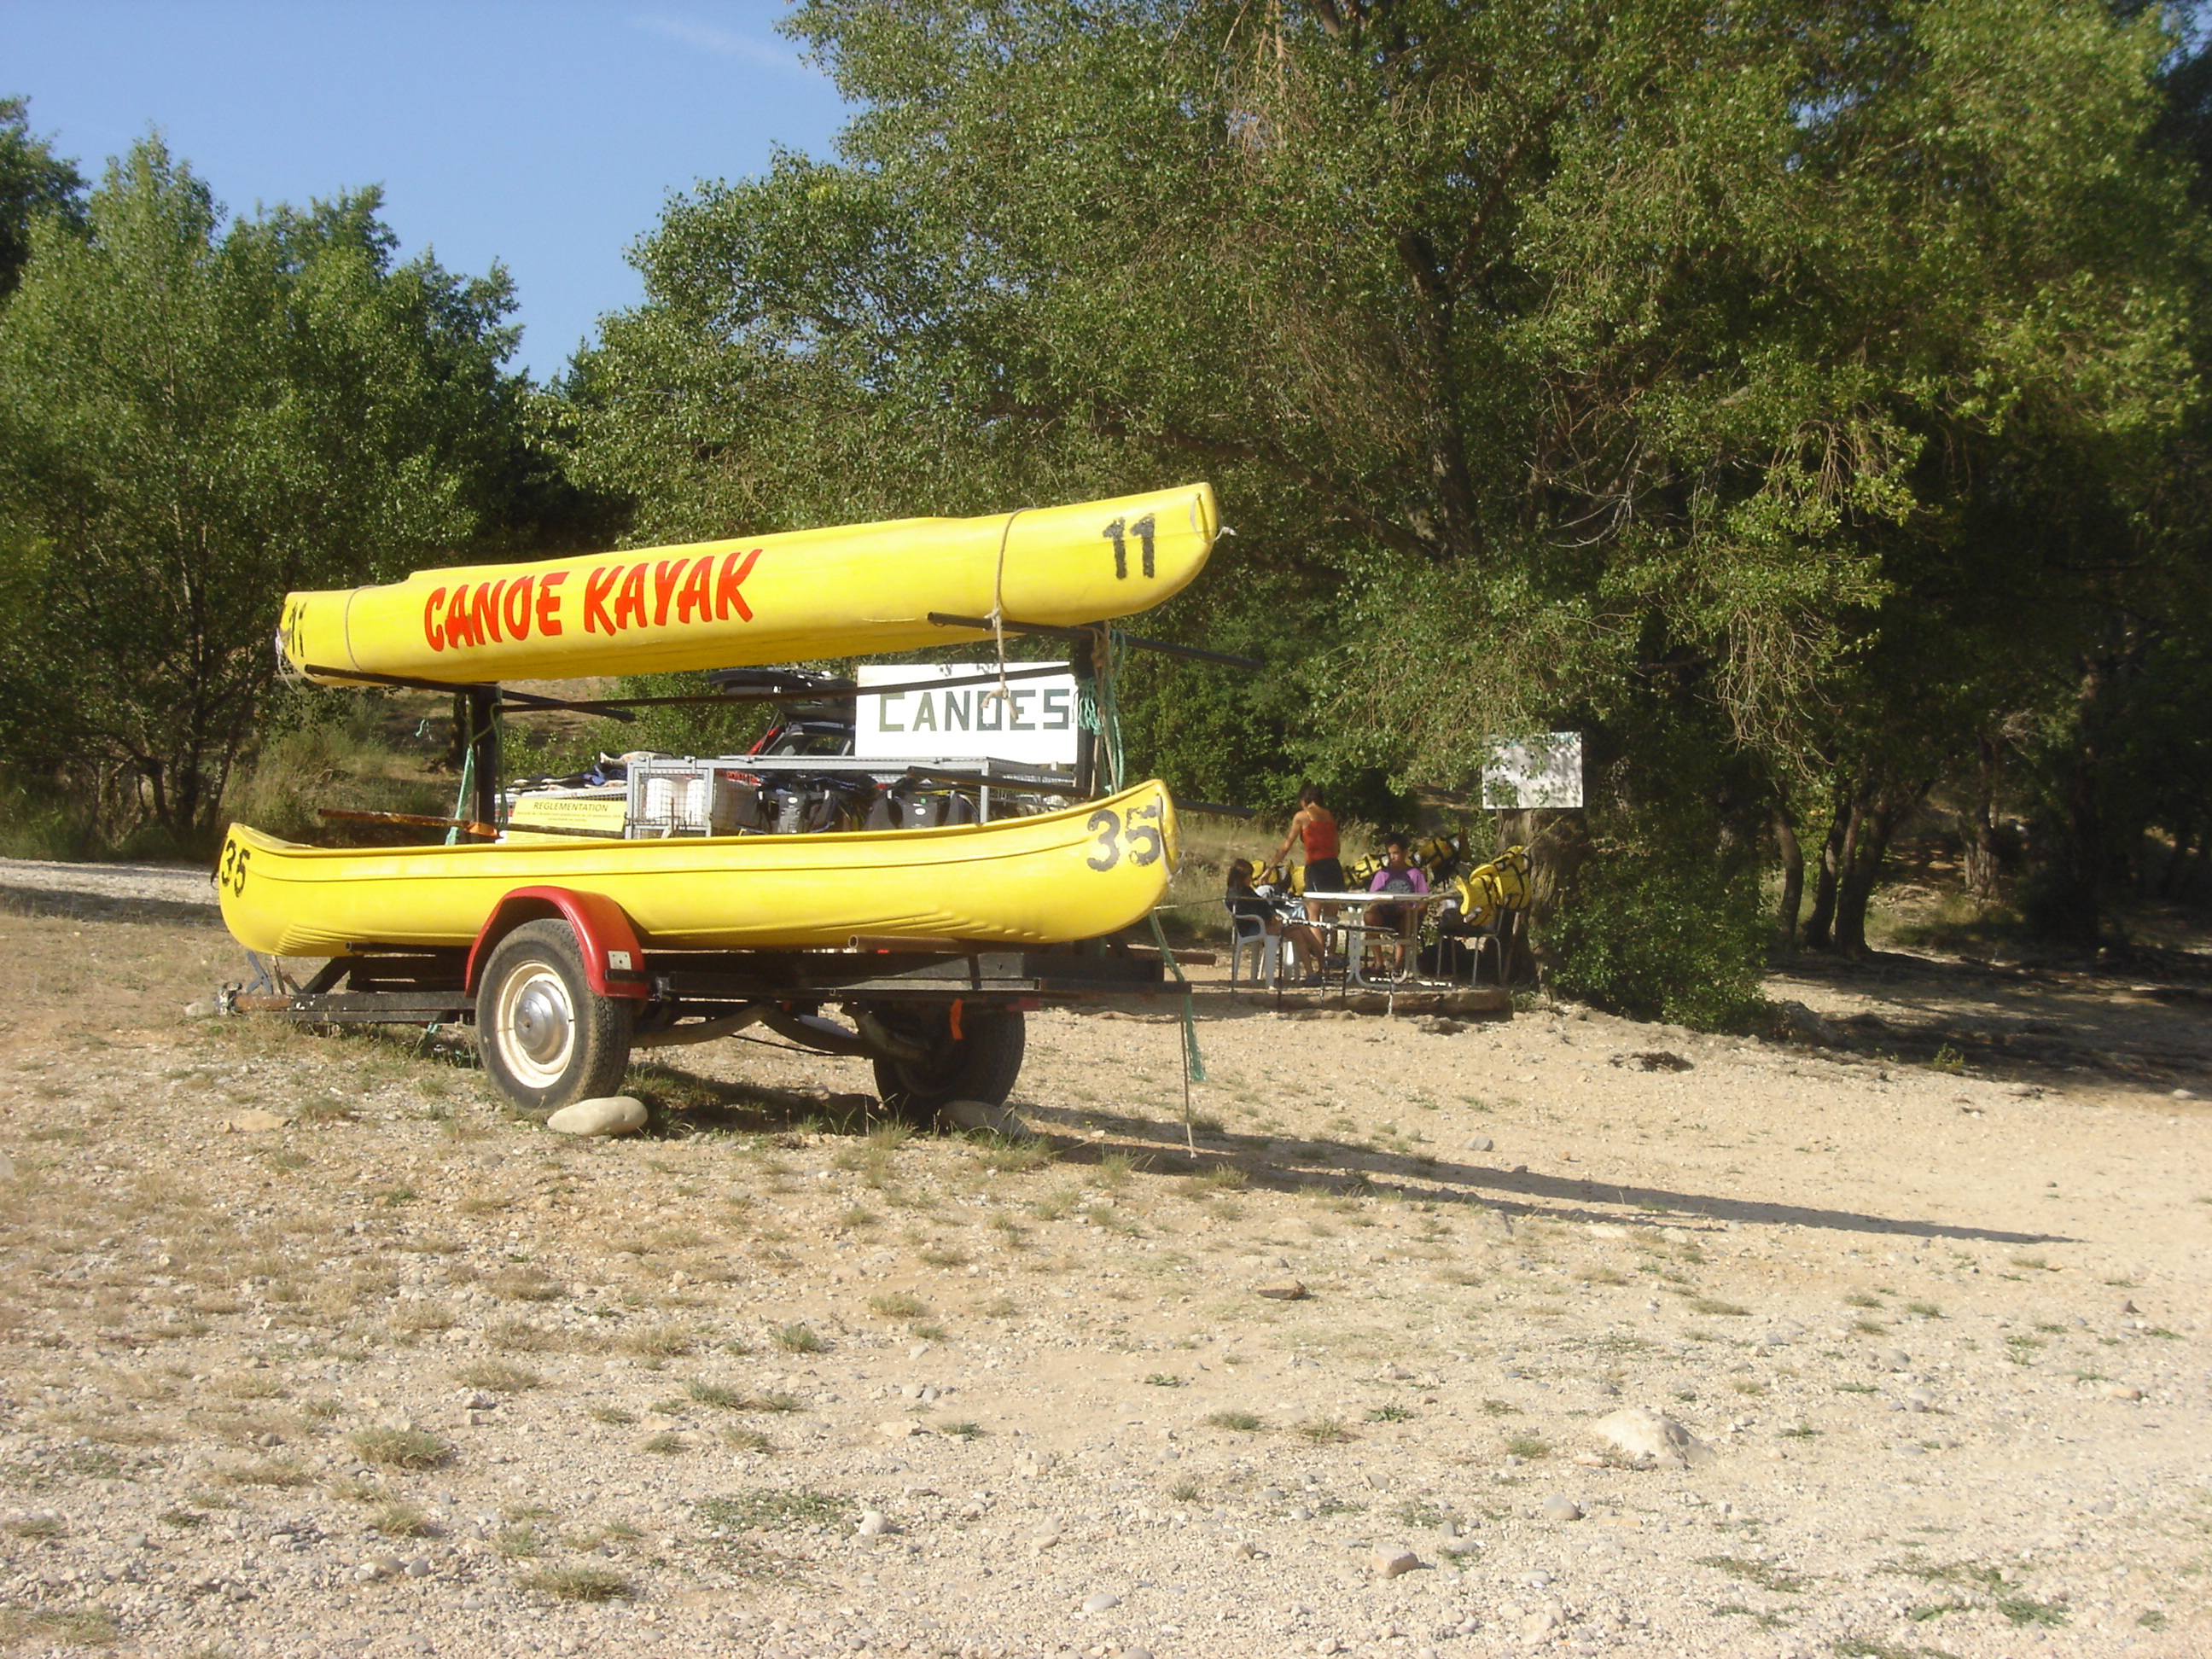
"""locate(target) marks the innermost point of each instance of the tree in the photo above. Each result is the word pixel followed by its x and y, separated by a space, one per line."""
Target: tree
pixel 198 414
pixel 35 184
pixel 1623 366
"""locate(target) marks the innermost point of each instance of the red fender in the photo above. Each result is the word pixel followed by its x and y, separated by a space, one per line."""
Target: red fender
pixel 614 961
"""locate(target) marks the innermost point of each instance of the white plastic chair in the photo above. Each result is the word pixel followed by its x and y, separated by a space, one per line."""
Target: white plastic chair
pixel 1250 933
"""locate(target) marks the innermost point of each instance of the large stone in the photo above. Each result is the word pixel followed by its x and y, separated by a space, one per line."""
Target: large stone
pixel 1281 1290
pixel 981 1114
pixel 1794 1022
pixel 1390 1562
pixel 1649 1437
pixel 610 1114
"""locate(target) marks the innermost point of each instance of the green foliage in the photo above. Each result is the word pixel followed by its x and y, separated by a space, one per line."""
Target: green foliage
pixel 1551 370
pixel 1660 925
pixel 35 186
pixel 201 413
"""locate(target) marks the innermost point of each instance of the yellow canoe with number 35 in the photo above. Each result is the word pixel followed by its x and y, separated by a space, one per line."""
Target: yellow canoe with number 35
pixel 808 594
pixel 1059 876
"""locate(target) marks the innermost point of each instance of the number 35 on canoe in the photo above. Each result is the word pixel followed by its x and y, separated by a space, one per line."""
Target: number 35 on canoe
pixel 808 594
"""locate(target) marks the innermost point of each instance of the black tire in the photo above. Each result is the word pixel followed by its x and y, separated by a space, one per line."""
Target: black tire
pixel 545 1038
pixel 980 1064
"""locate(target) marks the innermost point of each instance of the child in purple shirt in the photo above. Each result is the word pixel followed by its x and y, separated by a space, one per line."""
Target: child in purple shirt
pixel 1397 876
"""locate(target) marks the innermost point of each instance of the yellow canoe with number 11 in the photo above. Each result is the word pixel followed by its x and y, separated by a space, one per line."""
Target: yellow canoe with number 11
pixel 1091 870
pixel 806 595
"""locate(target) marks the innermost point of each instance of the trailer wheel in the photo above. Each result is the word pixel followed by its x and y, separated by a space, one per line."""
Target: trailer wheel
pixel 546 1037
pixel 980 1064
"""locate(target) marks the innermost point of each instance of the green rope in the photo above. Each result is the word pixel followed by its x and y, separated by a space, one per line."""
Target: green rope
pixel 1194 1063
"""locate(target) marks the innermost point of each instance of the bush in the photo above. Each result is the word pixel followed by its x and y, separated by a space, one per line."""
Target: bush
pixel 1657 925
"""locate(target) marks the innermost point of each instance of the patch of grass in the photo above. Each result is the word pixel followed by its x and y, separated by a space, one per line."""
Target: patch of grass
pixel 399 1448
pixel 770 1509
pixel 714 1393
pixel 498 1377
pixel 779 1402
pixel 1706 1304
pixel 577 1583
pixel 657 1341
pixel 2022 1610
pixel 1242 1422
pixel 1528 1445
pixel 1185 1491
pixel 184 1520
pixel 1948 1060
pixel 1765 1575
pixel 943 1255
pixel 526 1284
pixel 747 1440
pixel 799 1339
pixel 898 1305
pixel 962 1431
pixel 1325 1430
pixel 35 1526
pixel 1801 1431
pixel 75 1627
pixel 1003 1155
pixel 266 1472
pixel 2037 1262
pixel 614 1414
pixel 1603 1276
pixel 667 1443
pixel 1390 1413
pixel 399 1520
pixel 1164 1379
pixel 520 1336
pixel 1500 1408
pixel 1925 1309
pixel 1861 1299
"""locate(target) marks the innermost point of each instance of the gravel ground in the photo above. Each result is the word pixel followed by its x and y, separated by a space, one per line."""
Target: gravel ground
pixel 308 1348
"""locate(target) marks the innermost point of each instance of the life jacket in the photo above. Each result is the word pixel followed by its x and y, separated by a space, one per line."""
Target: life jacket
pixel 1491 889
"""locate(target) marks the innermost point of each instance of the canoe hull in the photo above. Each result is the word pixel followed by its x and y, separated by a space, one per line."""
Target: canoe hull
pixel 1044 880
pixel 807 595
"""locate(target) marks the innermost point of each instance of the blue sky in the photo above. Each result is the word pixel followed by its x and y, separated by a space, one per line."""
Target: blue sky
pixel 545 135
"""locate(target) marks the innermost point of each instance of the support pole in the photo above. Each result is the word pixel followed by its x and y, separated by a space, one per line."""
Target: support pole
pixel 483 715
pixel 1083 665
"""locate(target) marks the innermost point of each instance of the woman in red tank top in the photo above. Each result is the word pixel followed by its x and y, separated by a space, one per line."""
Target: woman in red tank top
pixel 1315 826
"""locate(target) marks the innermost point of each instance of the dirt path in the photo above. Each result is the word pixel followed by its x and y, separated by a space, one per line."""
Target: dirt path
pixel 404 1374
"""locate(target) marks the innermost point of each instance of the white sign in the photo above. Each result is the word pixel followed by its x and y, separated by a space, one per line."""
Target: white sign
pixel 1546 771
pixel 1032 721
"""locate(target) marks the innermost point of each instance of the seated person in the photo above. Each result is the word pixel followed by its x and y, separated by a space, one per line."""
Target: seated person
pixel 1397 875
pixel 1273 914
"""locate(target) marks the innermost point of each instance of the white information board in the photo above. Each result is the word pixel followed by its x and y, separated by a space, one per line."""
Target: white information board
pixel 1544 771
pixel 1033 721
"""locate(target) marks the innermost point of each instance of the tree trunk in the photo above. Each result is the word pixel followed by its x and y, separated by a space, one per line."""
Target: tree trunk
pixel 1874 818
pixel 1558 844
pixel 1820 927
pixel 2173 877
pixel 1793 880
pixel 1985 850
